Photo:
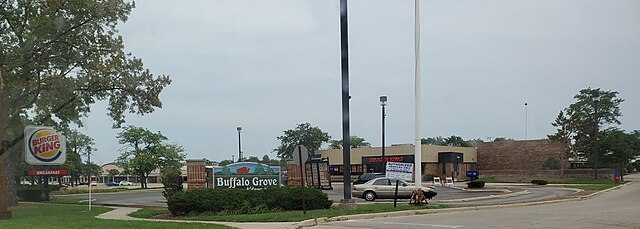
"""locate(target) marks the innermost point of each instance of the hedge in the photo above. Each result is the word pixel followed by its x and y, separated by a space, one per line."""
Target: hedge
pixel 539 182
pixel 245 201
pixel 475 184
pixel 35 193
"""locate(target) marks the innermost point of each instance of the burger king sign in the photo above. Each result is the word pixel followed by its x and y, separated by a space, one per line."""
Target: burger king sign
pixel 44 146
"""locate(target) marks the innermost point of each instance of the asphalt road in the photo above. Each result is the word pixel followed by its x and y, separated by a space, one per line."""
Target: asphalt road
pixel 615 209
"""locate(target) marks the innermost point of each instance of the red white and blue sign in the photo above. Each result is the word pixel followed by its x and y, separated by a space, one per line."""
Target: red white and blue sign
pixel 44 146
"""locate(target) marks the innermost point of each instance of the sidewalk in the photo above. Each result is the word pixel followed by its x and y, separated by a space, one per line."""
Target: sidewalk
pixel 122 213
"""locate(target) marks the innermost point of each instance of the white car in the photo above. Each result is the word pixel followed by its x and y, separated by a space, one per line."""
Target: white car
pixel 125 182
pixel 93 183
pixel 384 188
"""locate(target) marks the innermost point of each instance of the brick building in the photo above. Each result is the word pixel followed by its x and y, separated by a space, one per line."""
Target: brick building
pixel 523 161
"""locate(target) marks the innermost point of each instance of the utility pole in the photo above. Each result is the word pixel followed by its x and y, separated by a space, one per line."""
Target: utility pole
pixel 346 202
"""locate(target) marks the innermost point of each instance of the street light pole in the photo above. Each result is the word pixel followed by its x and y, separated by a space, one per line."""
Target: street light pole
pixel 526 120
pixel 383 104
pixel 346 144
pixel 418 147
pixel 239 144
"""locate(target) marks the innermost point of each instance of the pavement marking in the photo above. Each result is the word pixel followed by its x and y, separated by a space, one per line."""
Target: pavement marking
pixel 423 224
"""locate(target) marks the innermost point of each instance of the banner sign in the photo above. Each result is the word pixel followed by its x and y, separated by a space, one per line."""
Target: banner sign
pixel 58 172
pixel 246 175
pixel 399 170
pixel 44 146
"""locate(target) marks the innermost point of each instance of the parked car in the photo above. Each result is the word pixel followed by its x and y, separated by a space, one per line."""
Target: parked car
pixel 83 183
pixel 125 183
pixel 384 188
pixel 93 183
pixel 111 183
pixel 367 177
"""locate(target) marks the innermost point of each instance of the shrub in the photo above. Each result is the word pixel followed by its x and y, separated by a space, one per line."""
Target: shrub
pixel 35 193
pixel 228 201
pixel 475 184
pixel 539 182
pixel 428 177
pixel 171 180
pixel 551 163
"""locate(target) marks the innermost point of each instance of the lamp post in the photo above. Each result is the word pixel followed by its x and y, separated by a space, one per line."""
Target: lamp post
pixel 596 124
pixel 239 144
pixel 383 104
pixel 526 120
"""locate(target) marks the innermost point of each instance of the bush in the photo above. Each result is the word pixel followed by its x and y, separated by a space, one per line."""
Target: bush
pixel 475 184
pixel 230 201
pixel 35 193
pixel 539 182
pixel 428 177
pixel 171 180
pixel 551 163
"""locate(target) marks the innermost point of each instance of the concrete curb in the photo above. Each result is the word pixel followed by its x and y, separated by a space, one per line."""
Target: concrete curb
pixel 485 197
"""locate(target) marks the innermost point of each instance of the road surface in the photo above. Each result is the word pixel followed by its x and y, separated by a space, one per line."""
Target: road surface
pixel 618 208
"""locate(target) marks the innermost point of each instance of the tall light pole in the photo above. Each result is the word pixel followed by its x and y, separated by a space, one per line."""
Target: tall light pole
pixel 346 144
pixel 239 144
pixel 383 104
pixel 526 120
pixel 418 147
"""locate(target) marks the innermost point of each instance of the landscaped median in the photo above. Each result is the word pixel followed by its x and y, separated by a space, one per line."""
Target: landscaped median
pixel 286 216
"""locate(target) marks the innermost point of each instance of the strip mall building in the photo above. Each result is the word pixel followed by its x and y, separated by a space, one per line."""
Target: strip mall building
pixel 442 161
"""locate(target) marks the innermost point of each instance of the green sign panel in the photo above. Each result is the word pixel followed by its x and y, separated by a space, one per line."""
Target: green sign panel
pixel 246 175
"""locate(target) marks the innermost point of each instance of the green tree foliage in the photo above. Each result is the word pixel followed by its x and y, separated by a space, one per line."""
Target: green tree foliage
pixel 112 173
pixel 146 151
pixel 252 159
pixel 502 139
pixel 171 180
pixel 439 141
pixel 579 125
pixel 551 163
pixel 57 58
pixel 449 141
pixel 304 134
pixel 456 141
pixel 621 147
pixel 78 144
pixel 356 142
pixel 225 162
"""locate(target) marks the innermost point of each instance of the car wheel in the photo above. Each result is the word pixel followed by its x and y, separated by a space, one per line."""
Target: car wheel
pixel 369 196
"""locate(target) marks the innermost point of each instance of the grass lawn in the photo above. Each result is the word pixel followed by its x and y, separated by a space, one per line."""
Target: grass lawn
pixel 583 181
pixel 293 216
pixel 30 215
pixel 489 180
pixel 593 186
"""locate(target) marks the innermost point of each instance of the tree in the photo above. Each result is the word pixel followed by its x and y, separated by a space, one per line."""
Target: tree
pixel 59 57
pixel 456 141
pixel 432 141
pixel 225 162
pixel 112 173
pixel 303 134
pixel 266 159
pixel 171 180
pixel 78 144
pixel 502 139
pixel 356 142
pixel 621 147
pixel 252 159
pixel 146 151
pixel 580 123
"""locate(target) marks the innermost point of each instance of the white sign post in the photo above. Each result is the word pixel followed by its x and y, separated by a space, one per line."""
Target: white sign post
pixel 399 170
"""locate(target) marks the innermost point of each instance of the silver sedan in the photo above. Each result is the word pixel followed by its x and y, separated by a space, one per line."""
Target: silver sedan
pixel 384 188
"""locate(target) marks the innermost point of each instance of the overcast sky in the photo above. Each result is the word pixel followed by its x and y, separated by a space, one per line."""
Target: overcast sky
pixel 269 65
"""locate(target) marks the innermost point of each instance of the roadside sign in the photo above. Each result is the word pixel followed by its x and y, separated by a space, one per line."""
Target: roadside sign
pixel 44 146
pixel 300 152
pixel 399 170
pixel 38 172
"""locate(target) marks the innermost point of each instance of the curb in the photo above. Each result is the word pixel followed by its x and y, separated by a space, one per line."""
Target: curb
pixel 485 197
